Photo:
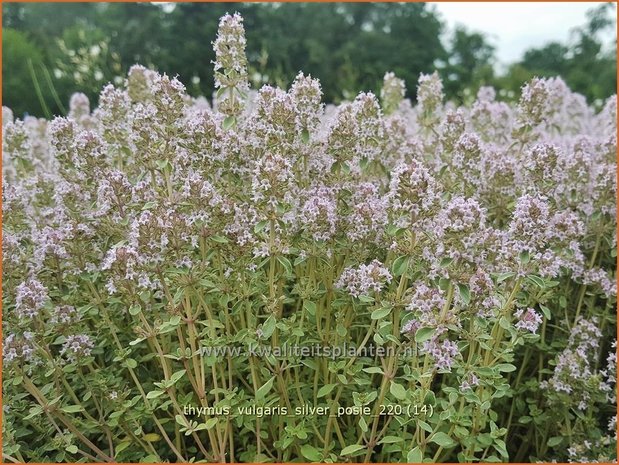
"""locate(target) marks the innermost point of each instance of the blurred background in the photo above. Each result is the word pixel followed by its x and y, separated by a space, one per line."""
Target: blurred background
pixel 52 50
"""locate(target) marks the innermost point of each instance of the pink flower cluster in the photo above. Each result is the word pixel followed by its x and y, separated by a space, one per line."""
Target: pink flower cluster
pixel 364 279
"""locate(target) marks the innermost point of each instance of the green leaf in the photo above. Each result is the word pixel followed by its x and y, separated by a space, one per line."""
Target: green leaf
pixel 503 276
pixel 162 164
pixel 326 389
pixel 72 408
pixel 305 136
pixel 423 334
pixel 539 282
pixel 269 326
pixel 506 367
pixel 424 426
pixel 445 262
pixel 399 265
pixel 154 394
pixel 374 370
pixel 219 239
pixel 211 422
pixel 465 293
pixel 135 309
pixel 285 263
pixel 122 446
pixel 352 449
pixel 310 307
pixel 152 458
pixel 524 257
pixel 176 376
pixel 397 390
pixel 414 456
pixel 391 440
pixel 131 363
pixel 69 368
pixel 393 230
pixel 363 425
pixel 72 449
pixel 554 441
pixel 430 398
pixel 442 440
pixel 500 446
pixel 546 311
pixel 311 453
pixel 381 313
pixel 505 323
pixel 264 389
pixel 259 227
pixel 229 122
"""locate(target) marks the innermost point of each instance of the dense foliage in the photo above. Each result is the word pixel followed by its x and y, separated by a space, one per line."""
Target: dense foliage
pixel 451 270
pixel 348 46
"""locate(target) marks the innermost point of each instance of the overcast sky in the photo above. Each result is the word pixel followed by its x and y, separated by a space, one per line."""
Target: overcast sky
pixel 514 27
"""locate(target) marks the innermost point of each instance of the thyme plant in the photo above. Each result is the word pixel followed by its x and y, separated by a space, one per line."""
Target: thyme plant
pixel 269 279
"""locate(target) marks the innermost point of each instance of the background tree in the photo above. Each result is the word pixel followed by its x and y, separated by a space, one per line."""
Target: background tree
pixel 470 63
pixel 584 63
pixel 348 46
